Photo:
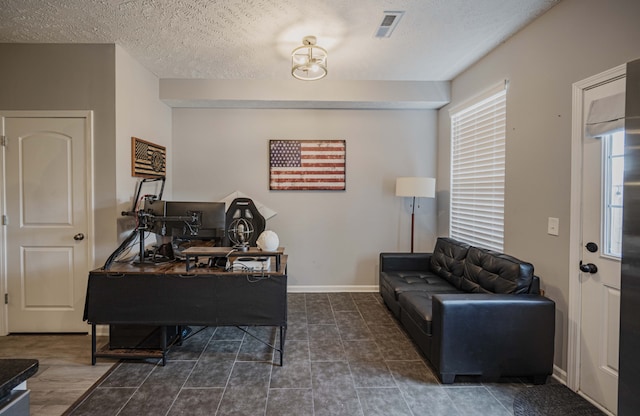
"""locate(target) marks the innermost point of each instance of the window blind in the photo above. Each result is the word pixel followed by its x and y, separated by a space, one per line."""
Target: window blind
pixel 478 170
pixel 606 115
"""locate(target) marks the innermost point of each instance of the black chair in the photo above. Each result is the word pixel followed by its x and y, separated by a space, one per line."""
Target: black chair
pixel 244 209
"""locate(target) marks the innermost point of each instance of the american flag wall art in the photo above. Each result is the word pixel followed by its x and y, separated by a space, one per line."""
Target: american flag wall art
pixel 307 165
pixel 148 160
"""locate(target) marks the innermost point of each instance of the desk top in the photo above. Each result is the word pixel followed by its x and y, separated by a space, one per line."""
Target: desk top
pixel 178 268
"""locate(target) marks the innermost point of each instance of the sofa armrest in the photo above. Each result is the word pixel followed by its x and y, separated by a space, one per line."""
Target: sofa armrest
pixel 399 262
pixel 493 335
pixel 534 289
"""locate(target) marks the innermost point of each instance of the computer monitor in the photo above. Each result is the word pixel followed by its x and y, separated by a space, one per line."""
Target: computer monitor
pixel 188 220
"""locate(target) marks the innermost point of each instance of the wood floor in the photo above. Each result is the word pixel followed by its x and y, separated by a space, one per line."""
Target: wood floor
pixel 65 371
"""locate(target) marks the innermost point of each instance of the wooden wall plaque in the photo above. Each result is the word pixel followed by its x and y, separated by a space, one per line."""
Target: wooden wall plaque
pixel 148 160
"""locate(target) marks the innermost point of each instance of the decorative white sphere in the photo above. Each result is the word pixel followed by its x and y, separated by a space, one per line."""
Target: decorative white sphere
pixel 268 241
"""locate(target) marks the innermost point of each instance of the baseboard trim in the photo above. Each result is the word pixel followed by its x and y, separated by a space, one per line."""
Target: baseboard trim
pixel 323 289
pixel 559 374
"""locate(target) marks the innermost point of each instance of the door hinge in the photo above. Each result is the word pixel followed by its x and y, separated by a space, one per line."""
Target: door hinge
pixel 5 220
pixel 3 140
pixel 6 298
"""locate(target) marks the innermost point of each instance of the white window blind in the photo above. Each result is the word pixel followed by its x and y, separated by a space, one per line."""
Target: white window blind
pixel 478 170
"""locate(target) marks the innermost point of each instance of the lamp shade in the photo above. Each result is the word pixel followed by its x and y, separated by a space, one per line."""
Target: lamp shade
pixel 416 186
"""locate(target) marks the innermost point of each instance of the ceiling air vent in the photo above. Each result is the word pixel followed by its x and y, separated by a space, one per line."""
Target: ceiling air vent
pixel 389 22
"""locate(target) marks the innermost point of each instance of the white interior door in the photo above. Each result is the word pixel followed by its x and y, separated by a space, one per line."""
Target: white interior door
pixel 602 180
pixel 46 223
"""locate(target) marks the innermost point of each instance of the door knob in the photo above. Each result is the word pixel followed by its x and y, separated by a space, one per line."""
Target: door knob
pixel 78 237
pixel 588 268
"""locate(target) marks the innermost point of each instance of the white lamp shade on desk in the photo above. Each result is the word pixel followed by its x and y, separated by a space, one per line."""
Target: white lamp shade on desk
pixel 416 187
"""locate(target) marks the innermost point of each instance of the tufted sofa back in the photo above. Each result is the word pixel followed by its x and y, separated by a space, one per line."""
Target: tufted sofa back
pixel 488 271
pixel 478 270
pixel 447 260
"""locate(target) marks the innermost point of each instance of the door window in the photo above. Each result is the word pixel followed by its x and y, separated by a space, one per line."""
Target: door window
pixel 613 163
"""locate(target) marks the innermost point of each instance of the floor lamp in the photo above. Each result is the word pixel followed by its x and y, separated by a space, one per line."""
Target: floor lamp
pixel 415 187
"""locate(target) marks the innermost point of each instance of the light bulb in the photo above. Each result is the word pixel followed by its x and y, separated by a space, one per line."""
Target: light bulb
pixel 300 59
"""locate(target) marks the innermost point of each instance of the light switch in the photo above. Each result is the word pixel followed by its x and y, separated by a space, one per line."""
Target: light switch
pixel 553 226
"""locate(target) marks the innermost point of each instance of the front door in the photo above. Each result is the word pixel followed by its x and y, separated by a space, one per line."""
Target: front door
pixel 47 250
pixel 602 181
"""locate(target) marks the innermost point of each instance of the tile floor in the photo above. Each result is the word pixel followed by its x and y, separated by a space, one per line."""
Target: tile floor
pixel 345 355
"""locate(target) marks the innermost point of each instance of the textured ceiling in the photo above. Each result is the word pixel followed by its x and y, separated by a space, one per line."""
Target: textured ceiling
pixel 252 39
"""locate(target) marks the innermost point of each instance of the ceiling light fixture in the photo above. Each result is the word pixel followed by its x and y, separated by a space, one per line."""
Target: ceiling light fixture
pixel 309 61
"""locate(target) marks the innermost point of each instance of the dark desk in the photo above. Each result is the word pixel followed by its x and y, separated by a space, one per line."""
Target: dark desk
pixel 167 295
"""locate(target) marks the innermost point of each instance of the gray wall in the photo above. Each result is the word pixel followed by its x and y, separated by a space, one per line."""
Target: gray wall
pixel 141 114
pixel 333 237
pixel 71 77
pixel 574 40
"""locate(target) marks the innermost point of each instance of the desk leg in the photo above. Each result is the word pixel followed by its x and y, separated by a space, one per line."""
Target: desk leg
pixel 163 334
pixel 282 337
pixel 93 344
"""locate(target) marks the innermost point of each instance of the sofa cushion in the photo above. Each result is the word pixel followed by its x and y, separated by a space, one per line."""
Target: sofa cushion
pixel 447 260
pixel 488 271
pixel 398 282
pixel 417 305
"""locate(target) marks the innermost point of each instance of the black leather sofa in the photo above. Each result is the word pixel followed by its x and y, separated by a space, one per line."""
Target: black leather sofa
pixel 471 311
